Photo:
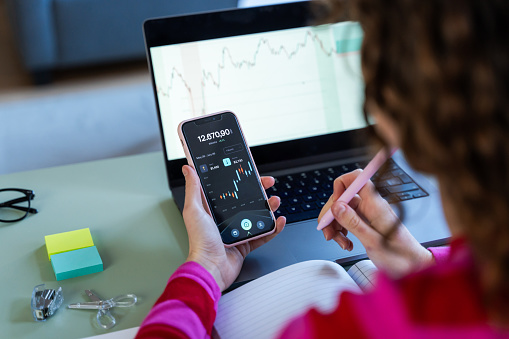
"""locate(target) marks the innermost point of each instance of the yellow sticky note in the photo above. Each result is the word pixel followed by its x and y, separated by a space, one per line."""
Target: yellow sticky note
pixel 68 241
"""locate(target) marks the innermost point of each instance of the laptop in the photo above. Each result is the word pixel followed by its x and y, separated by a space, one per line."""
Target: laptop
pixel 298 92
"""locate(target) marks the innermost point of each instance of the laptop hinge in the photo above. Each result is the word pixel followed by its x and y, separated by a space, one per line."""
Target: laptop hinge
pixel 335 157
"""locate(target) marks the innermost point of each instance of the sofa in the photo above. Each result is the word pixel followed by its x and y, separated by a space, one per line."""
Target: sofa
pixel 62 34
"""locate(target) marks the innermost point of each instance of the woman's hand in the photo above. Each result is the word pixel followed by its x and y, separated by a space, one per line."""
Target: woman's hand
pixel 205 243
pixel 370 218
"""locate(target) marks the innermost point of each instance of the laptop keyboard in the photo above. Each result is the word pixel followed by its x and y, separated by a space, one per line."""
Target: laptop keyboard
pixel 304 194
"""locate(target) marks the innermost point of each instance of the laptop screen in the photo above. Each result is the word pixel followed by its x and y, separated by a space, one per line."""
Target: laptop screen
pixel 283 85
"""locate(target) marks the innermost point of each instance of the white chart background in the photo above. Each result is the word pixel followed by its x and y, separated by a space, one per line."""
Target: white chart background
pixel 282 85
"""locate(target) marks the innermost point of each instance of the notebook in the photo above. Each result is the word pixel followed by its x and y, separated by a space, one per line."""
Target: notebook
pixel 297 90
pixel 275 299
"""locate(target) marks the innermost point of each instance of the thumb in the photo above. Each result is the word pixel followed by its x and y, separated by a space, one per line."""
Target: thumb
pixel 193 188
pixel 350 220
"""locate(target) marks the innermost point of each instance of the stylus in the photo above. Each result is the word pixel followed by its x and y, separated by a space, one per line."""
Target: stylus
pixel 359 182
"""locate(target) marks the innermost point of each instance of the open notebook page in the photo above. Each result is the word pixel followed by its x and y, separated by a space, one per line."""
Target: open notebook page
pixel 364 274
pixel 261 308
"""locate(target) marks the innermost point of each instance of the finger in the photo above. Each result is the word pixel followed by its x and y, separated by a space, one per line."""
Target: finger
pixel 267 182
pixel 343 242
pixel 369 190
pixel 337 233
pixel 341 183
pixel 350 220
pixel 332 199
pixel 355 202
pixel 374 210
pixel 344 231
pixel 274 203
pixel 325 208
pixel 193 188
pixel 329 232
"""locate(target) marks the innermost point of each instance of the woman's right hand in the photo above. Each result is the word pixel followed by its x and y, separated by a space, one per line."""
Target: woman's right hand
pixel 370 218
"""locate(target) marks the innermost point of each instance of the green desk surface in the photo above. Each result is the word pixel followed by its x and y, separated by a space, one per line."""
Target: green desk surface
pixel 134 223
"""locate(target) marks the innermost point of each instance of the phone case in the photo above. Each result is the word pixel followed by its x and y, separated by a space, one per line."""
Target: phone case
pixel 191 163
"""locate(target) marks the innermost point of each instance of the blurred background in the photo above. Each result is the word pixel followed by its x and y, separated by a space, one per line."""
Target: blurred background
pixel 74 82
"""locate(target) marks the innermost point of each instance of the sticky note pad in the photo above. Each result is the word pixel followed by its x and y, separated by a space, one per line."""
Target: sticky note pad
pixel 76 263
pixel 68 241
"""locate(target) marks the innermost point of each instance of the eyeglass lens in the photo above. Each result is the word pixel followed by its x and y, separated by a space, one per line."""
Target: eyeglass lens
pixel 14 205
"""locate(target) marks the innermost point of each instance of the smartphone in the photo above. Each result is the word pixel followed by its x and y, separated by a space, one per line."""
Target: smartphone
pixel 216 147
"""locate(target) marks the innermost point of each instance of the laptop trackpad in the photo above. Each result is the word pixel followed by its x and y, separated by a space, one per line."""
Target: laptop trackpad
pixel 307 243
pixel 298 242
pixel 265 259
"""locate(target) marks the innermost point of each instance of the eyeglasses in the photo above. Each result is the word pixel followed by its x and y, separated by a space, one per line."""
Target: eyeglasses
pixel 15 204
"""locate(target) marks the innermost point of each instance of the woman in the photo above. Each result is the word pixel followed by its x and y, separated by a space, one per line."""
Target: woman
pixel 437 78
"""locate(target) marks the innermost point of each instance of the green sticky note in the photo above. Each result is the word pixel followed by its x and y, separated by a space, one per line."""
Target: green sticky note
pixel 68 241
pixel 76 263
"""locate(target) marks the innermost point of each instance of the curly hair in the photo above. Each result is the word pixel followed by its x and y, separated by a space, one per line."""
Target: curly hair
pixel 440 71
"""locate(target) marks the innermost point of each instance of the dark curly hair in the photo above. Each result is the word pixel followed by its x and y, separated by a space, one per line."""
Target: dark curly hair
pixel 440 71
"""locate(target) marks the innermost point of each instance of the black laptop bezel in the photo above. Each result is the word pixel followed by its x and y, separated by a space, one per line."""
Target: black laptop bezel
pixel 233 22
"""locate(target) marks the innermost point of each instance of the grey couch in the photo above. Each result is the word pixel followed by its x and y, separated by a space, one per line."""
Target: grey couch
pixel 59 34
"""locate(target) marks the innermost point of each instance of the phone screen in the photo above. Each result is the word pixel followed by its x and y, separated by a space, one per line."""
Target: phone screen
pixel 230 182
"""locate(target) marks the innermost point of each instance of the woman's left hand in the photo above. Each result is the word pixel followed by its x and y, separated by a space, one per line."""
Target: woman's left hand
pixel 205 243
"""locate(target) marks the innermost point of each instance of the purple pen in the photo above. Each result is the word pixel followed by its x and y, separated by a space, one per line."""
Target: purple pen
pixel 359 182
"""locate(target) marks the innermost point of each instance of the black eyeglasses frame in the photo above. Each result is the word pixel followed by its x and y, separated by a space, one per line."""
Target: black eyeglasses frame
pixel 29 195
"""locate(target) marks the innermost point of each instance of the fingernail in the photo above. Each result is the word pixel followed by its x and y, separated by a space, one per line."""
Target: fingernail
pixel 325 236
pixel 343 246
pixel 184 170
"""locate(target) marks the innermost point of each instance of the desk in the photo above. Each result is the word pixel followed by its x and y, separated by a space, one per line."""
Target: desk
pixel 135 225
